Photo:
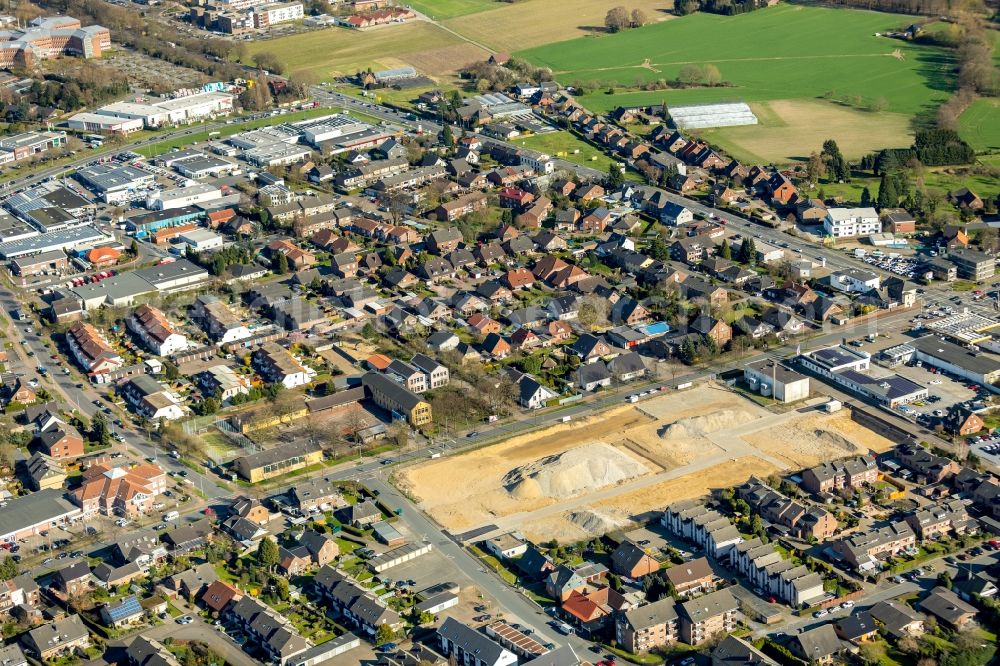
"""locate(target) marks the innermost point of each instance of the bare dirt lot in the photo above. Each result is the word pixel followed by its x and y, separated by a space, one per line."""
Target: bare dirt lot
pixel 816 438
pixel 600 474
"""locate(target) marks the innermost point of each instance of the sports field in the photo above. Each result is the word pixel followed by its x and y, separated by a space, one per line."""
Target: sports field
pixel 519 25
pixel 980 124
pixel 338 51
pixel 784 52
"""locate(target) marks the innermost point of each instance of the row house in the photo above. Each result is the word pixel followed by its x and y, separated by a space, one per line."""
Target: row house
pixel 277 365
pixel 356 605
pixel 864 550
pixel 365 174
pixel 768 570
pixel 927 467
pixel 460 207
pixel 803 521
pixel 695 522
pixel 273 632
pixel 156 332
pixel 937 520
pixel 91 349
pixel 855 472
pixel 219 322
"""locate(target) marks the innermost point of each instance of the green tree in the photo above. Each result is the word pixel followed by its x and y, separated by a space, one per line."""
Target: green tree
pixel 8 568
pixel 658 249
pixel 384 634
pixel 100 432
pixel 725 251
pixel 369 332
pixel 866 197
pixel 280 264
pixel 267 554
pixel 836 164
pixel 888 195
pixel 170 371
pixel 615 177
pixel 689 352
pixel 748 251
pixel 133 248
pixel 447 137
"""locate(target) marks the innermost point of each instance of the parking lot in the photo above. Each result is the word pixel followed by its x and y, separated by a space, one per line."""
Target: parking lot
pixel 891 262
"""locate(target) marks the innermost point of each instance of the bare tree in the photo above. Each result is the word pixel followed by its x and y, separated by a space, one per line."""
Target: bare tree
pixel 617 19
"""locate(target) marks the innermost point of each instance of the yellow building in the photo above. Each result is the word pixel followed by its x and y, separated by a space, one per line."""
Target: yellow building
pixel 397 399
pixel 277 461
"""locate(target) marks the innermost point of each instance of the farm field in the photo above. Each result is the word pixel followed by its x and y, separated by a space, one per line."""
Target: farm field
pixel 445 9
pixel 979 125
pixel 783 52
pixel 337 51
pixel 515 26
pixel 788 131
pixel 575 480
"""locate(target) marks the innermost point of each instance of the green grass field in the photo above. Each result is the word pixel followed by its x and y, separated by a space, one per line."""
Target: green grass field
pixel 784 52
pixel 563 144
pixel 980 124
pixel 338 51
pixel 446 9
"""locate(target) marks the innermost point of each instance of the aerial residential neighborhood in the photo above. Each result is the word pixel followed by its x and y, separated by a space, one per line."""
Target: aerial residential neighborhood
pixel 496 334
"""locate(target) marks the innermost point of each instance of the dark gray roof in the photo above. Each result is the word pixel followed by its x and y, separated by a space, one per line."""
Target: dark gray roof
pixel 398 394
pixel 471 641
pixel 658 612
pixel 818 643
pixel 710 605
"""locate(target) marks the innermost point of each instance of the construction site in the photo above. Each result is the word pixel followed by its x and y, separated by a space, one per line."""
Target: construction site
pixel 583 478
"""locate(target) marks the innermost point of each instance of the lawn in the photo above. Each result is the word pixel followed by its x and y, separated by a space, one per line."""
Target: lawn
pixel 340 51
pixel 784 52
pixel 566 145
pixel 979 125
pixel 446 9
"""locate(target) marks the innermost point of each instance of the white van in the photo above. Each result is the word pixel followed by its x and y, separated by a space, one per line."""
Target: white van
pixel 171 516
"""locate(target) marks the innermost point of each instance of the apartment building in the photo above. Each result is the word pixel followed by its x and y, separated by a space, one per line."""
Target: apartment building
pixel 973 265
pixel 647 627
pixel 708 616
pixel 851 222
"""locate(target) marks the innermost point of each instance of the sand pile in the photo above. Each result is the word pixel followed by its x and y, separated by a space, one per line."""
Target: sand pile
pixel 595 522
pixel 834 439
pixel 699 426
pixel 572 472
